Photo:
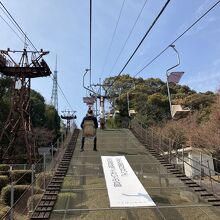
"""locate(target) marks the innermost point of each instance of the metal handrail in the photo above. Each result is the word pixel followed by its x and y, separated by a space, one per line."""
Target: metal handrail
pixel 160 151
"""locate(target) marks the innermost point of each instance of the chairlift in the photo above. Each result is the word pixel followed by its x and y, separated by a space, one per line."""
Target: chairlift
pixel 116 113
pixel 177 111
pixel 89 130
pixel 132 112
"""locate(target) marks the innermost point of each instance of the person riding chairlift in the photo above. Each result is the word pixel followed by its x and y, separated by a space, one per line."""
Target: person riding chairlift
pixel 89 125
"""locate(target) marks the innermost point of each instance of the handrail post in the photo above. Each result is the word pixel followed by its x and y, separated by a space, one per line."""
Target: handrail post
pixel 152 138
pixel 183 158
pixel 32 186
pixel 169 150
pixel 210 177
pixel 200 168
pixel 44 170
pixel 12 198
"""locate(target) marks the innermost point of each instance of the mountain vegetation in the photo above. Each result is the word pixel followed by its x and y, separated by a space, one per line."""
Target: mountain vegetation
pixel 148 97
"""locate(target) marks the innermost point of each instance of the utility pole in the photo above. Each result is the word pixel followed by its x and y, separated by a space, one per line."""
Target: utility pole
pixel 102 99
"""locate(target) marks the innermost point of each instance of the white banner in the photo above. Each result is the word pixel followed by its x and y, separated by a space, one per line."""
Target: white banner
pixel 124 188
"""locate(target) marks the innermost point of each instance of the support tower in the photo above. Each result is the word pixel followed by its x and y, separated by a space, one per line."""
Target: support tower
pixel 68 116
pixel 54 96
pixel 16 138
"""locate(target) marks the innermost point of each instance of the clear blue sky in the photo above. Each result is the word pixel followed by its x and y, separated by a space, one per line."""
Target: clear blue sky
pixel 62 27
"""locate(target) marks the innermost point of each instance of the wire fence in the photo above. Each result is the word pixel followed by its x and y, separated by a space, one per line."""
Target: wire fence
pixel 24 198
pixel 192 162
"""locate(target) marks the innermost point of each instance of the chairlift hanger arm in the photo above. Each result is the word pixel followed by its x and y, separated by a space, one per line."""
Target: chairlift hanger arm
pixel 178 59
pixel 87 88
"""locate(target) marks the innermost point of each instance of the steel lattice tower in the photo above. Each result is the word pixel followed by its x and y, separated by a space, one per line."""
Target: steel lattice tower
pixel 17 137
pixel 54 96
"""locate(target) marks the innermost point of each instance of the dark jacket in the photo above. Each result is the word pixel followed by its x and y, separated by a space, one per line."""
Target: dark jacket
pixel 94 119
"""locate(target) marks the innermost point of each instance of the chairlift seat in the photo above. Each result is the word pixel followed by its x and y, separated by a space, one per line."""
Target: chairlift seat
pixel 132 112
pixel 89 130
pixel 177 111
pixel 117 112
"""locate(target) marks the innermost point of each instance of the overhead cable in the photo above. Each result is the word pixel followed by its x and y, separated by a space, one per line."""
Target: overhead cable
pixel 113 66
pixel 90 46
pixel 12 29
pixel 148 64
pixel 16 23
pixel 113 37
pixel 148 31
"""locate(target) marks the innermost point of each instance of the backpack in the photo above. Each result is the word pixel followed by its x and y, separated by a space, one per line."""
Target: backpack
pixel 89 129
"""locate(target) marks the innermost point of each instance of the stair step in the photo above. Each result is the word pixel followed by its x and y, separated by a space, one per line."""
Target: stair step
pixel 53 188
pixel 213 200
pixel 41 215
pixel 199 190
pixel 207 194
pixel 188 183
pixel 54 185
pixel 180 175
pixel 56 181
pixel 41 209
pixel 49 198
pixel 51 192
pixel 46 204
pixel 58 177
pixel 173 170
pixel 193 186
pixel 61 169
pixel 185 179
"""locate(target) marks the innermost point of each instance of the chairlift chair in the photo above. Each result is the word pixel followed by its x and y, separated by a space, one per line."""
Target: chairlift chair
pixel 89 130
pixel 132 112
pixel 117 112
pixel 177 111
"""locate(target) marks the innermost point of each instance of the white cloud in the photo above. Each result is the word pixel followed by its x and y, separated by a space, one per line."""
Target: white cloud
pixel 204 81
pixel 216 62
pixel 202 7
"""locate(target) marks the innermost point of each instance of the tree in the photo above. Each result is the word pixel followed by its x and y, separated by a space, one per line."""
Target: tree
pixel 45 119
pixel 149 98
pixel 5 93
pixel 37 103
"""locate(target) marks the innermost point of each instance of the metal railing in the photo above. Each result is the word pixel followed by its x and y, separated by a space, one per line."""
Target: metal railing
pixel 41 174
pixel 164 146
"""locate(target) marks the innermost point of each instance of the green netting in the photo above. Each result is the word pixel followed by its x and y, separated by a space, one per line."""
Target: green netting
pixel 84 193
